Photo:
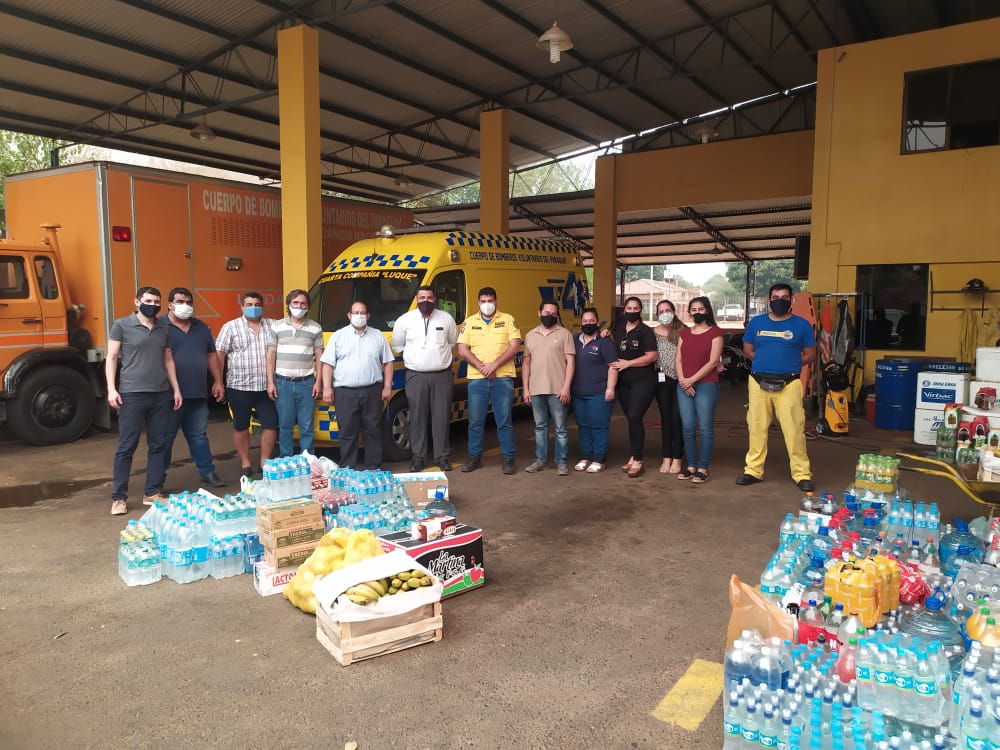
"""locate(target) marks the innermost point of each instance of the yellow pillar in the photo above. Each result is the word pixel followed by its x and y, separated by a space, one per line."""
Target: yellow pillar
pixel 301 202
pixel 494 171
pixel 605 237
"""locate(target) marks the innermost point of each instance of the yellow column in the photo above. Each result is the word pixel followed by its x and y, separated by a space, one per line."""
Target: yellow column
pixel 605 237
pixel 298 106
pixel 494 171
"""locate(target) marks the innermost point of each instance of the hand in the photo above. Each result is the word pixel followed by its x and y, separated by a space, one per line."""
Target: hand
pixel 218 392
pixel 114 399
pixel 604 333
pixel 689 390
pixel 720 368
pixel 386 392
pixel 620 364
pixel 564 396
pixel 272 391
pixel 488 369
pixel 178 400
pixel 609 395
pixel 328 395
pixel 316 389
pixel 686 384
pixel 526 395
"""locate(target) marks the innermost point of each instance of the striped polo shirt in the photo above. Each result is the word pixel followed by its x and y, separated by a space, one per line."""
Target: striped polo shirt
pixel 296 347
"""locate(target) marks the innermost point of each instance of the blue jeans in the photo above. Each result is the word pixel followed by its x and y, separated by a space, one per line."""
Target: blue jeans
pixel 192 420
pixel 593 417
pixel 544 408
pixel 295 405
pixel 151 410
pixel 499 392
pixel 698 412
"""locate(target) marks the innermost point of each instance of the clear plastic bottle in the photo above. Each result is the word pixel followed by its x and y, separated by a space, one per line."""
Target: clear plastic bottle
pixel 770 726
pixel 731 719
pixel 963 687
pixel 975 730
pixel 750 728
pixel 846 668
pixel 199 551
pixel 811 623
pixel 864 664
pixel 833 623
pixel 440 505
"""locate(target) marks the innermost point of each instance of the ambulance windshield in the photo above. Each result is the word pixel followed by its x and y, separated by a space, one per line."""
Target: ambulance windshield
pixel 388 294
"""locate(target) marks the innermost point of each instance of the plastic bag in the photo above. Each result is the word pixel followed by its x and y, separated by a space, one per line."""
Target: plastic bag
pixel 751 610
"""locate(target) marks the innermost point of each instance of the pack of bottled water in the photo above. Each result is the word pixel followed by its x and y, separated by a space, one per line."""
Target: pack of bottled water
pixel 138 556
pixel 974 583
pixel 284 479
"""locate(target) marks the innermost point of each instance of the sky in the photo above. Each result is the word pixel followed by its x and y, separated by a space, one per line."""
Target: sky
pixel 698 273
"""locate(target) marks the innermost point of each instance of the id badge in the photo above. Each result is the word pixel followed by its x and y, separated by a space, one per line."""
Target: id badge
pixel 661 377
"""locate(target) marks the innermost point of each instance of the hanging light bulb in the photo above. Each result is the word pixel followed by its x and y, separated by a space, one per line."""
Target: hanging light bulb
pixel 202 132
pixel 557 41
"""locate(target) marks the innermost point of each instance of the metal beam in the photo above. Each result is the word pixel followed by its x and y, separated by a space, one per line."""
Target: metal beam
pixel 526 213
pixel 713 232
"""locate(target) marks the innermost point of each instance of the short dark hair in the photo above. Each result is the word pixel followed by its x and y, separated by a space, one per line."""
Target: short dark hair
pixel 775 287
pixel 293 294
pixel 545 302
pixel 426 288
pixel 487 291
pixel 590 310
pixel 148 290
pixel 253 295
pixel 179 290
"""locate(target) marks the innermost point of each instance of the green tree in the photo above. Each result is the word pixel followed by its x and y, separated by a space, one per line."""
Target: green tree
pixel 766 273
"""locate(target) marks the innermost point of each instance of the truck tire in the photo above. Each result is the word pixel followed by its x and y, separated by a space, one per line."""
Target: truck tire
pixel 53 405
pixel 396 431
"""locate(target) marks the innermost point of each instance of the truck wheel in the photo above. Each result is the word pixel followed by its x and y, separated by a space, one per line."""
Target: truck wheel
pixel 53 405
pixel 396 431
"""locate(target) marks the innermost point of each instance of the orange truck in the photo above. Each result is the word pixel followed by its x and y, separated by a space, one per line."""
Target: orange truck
pixel 121 227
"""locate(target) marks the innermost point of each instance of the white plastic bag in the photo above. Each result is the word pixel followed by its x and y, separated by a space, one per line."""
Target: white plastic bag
pixel 328 589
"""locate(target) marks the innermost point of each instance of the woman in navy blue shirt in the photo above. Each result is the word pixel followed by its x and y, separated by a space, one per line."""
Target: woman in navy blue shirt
pixel 593 392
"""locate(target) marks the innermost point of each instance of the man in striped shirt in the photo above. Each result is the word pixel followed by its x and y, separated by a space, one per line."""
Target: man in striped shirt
pixel 242 343
pixel 293 351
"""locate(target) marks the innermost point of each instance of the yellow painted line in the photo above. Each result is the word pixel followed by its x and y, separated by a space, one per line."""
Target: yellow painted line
pixel 688 702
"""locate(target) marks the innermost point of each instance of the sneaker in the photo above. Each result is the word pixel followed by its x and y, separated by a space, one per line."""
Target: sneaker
pixel 417 464
pixel 118 508
pixel 156 497
pixel 805 485
pixel 472 463
pixel 508 466
pixel 534 468
pixel 212 480
pixel 444 464
pixel 562 470
pixel 747 479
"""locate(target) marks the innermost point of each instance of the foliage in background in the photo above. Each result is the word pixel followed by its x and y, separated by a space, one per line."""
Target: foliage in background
pixel 20 152
pixel 766 273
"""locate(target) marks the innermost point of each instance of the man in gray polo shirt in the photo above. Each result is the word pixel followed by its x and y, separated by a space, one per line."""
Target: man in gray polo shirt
pixel 357 378
pixel 142 394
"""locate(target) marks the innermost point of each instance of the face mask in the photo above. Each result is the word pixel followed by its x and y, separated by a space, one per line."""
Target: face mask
pixel 425 307
pixel 183 311
pixel 589 328
pixel 548 320
pixel 780 306
pixel 699 317
pixel 632 317
pixel 666 318
pixel 298 312
pixel 359 320
pixel 487 309
pixel 149 311
pixel 253 313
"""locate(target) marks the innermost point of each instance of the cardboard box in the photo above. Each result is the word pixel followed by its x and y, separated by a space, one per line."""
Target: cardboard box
pixel 275 539
pixel 456 559
pixel 422 485
pixel 289 557
pixel 988 363
pixel 925 425
pixel 287 514
pixel 268 581
pixel 935 389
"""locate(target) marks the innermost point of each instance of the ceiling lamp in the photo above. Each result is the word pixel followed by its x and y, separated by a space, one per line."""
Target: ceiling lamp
pixel 557 40
pixel 202 132
pixel 402 180
pixel 705 132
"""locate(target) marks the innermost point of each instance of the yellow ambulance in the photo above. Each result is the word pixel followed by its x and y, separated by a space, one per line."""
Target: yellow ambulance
pixel 385 271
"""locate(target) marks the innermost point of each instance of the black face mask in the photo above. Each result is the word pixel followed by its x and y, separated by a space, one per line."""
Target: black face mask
pixel 548 320
pixel 589 328
pixel 780 306
pixel 149 311
pixel 699 317
pixel 633 317
pixel 425 307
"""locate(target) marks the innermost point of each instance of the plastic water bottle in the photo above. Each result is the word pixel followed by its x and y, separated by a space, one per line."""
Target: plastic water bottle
pixel 975 731
pixel 846 668
pixel 963 688
pixel 833 623
pixel 864 668
pixel 811 623
pixel 440 505
pixel 731 723
pixel 199 551
pixel 766 669
pixel 184 553
pixel 934 522
pixel 750 728
pixel 767 735
pixel 736 665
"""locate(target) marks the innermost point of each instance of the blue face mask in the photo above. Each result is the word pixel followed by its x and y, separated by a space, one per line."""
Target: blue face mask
pixel 253 313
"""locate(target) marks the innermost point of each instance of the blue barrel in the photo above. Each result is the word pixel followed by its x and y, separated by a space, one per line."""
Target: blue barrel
pixel 895 393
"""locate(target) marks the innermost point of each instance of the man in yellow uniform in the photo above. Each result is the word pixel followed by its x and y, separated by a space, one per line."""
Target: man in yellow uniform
pixel 489 341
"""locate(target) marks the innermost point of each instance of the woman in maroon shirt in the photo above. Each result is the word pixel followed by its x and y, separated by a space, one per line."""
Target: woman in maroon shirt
pixel 698 353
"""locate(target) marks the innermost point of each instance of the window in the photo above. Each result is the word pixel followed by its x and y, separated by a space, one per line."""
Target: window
pixel 46 276
pixel 449 288
pixel 388 294
pixel 897 305
pixel 13 282
pixel 952 108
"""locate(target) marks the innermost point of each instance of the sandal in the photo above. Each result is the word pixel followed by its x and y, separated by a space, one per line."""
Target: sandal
pixel 581 465
pixel 686 474
pixel 628 464
pixel 595 468
pixel 700 476
pixel 637 470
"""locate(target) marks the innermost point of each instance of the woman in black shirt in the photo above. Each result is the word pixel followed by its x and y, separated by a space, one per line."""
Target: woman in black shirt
pixel 636 346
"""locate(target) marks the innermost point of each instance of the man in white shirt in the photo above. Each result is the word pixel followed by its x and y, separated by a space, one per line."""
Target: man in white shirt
pixel 426 337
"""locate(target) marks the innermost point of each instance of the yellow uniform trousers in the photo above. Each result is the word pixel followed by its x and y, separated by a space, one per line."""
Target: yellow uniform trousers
pixel 786 405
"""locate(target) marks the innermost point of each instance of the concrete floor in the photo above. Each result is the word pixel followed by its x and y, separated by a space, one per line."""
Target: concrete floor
pixel 600 592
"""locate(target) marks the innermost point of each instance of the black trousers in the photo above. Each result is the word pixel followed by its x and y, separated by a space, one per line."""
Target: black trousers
pixel 429 397
pixel 635 394
pixel 359 410
pixel 672 438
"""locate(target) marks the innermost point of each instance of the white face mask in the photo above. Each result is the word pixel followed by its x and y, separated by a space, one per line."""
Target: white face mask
pixel 487 308
pixel 183 311
pixel 298 312
pixel 359 320
pixel 666 318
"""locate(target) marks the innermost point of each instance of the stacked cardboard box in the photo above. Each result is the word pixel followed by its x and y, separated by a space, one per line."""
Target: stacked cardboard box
pixel 289 532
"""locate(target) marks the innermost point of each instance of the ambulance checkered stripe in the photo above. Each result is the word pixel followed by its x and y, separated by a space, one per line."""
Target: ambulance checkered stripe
pixel 479 239
pixel 379 261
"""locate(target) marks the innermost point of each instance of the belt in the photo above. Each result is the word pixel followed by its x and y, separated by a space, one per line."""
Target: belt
pixel 357 387
pixel 293 380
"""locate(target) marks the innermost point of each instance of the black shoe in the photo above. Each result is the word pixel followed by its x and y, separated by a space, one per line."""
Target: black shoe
pixel 508 466
pixel 472 463
pixel 805 485
pixel 417 464
pixel 247 471
pixel 747 479
pixel 444 464
pixel 212 480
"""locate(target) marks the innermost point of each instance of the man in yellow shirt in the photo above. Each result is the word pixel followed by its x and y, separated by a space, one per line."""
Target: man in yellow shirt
pixel 489 341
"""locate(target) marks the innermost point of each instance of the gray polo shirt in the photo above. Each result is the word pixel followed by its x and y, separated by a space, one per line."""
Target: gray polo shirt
pixel 142 369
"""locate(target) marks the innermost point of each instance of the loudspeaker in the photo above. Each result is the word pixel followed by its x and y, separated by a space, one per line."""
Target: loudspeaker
pixel 802 257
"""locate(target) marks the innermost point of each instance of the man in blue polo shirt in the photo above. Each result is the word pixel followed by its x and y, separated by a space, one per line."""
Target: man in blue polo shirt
pixel 193 346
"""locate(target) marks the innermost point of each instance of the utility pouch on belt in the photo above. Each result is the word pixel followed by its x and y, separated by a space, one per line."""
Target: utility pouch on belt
pixel 771 382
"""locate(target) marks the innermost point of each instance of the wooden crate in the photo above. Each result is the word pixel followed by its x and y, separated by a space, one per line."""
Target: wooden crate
pixel 355 641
